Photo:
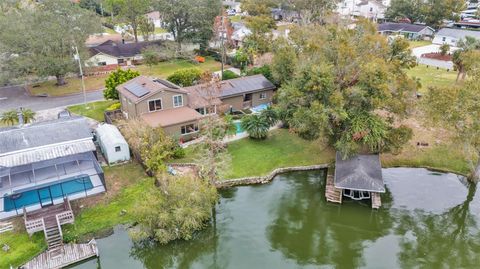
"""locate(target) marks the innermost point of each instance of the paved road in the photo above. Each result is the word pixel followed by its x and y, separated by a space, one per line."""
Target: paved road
pixel 15 96
pixel 432 62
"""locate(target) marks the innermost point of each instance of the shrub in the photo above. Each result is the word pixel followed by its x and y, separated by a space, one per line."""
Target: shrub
pixel 227 74
pixel 178 152
pixel 444 49
pixel 185 77
pixel 114 106
pixel 180 207
pixel 264 70
pixel 116 78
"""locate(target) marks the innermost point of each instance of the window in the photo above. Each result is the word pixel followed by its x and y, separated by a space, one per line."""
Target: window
pixel 247 97
pixel 263 95
pixel 188 129
pixel 102 63
pixel 117 149
pixel 371 9
pixel 444 39
pixel 177 100
pixel 120 61
pixel 201 110
pixel 154 105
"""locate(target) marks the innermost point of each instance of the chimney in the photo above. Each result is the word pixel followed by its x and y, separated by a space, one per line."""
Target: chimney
pixel 20 117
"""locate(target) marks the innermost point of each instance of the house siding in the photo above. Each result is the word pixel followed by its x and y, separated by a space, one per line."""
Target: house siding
pixel 176 131
pixel 94 60
pixel 235 102
pixel 167 101
pixel 257 101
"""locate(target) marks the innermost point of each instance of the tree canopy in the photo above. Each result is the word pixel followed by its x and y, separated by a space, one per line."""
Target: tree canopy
pixel 38 41
pixel 349 87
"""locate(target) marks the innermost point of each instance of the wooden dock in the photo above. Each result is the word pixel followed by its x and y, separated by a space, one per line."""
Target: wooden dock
pixel 63 256
pixel 332 194
pixel 376 200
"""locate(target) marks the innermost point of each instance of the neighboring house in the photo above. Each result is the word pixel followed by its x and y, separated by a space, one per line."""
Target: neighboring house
pixel 99 39
pixel 178 110
pixel 373 9
pixel 240 32
pixel 233 6
pixel 41 163
pixel 115 54
pixel 154 17
pixel 410 31
pixel 280 14
pixel 451 36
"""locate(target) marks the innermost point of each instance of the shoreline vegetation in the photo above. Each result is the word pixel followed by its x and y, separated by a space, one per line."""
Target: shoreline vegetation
pixel 127 183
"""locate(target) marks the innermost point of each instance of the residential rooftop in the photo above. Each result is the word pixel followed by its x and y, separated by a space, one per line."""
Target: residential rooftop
pixel 401 27
pixel 458 33
pixel 360 172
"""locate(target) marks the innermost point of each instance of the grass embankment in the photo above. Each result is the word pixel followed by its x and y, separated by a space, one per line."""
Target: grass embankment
pixel 126 185
pixel 93 83
pixel 92 110
pixel 432 77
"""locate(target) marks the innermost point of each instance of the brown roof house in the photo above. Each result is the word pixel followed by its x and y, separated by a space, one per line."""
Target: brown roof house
pixel 113 53
pixel 178 110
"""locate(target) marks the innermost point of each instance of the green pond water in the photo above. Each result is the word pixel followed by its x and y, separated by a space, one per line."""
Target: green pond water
pixel 428 220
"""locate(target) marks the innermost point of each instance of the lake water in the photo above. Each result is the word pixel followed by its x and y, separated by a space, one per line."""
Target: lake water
pixel 428 220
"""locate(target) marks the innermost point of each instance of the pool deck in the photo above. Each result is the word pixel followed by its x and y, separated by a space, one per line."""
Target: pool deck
pixel 63 256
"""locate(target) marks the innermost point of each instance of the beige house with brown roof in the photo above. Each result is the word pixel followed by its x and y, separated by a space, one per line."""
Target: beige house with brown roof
pixel 178 110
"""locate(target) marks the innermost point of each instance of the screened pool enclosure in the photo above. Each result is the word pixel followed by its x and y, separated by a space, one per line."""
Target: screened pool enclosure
pixel 47 182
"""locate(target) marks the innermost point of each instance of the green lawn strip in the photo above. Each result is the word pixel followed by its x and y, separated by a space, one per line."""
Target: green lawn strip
pixel 73 86
pixel 236 18
pixel 159 30
pixel 447 158
pixel 431 76
pixel 22 248
pixel 92 110
pixel 165 69
pixel 419 43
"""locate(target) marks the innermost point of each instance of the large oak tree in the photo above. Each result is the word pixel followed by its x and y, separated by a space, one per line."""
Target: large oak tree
pixel 39 41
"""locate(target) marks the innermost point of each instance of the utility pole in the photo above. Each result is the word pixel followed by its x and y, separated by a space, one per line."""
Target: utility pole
pixel 223 34
pixel 77 57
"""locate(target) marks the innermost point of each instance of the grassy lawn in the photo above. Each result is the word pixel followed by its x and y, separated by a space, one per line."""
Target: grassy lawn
pixel 125 184
pixel 431 76
pixel 160 31
pixel 236 18
pixel 73 86
pixel 93 110
pixel 281 149
pixel 419 43
pixel 165 69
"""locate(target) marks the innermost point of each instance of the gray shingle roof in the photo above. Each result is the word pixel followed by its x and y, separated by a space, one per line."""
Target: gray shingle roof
pixel 360 172
pixel 458 33
pixel 122 50
pixel 401 27
pixel 43 134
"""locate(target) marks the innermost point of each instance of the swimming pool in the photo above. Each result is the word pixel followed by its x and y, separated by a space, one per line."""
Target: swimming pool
pixel 238 125
pixel 46 194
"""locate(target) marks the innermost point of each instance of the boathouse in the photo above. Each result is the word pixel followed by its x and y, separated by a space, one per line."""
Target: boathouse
pixel 358 177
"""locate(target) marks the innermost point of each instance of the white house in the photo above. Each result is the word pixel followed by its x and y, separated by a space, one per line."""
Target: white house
pixel 154 17
pixel 113 145
pixel 112 53
pixel 233 5
pixel 451 36
pixel 373 9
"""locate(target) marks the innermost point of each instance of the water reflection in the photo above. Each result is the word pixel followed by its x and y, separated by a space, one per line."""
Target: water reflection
pixel 427 221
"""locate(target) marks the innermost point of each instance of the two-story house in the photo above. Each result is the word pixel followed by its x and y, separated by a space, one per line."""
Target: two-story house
pixel 178 110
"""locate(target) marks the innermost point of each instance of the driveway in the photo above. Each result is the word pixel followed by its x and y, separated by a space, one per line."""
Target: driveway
pixel 12 97
pixel 432 62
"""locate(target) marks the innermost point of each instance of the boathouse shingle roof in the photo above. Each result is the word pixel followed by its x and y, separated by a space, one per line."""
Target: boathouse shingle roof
pixel 360 172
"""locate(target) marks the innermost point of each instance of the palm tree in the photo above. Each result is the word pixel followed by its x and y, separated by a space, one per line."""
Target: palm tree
pixel 256 126
pixel 9 117
pixel 270 115
pixel 28 115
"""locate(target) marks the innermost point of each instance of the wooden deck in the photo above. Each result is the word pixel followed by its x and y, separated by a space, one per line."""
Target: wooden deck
pixel 49 212
pixel 332 194
pixel 376 200
pixel 63 256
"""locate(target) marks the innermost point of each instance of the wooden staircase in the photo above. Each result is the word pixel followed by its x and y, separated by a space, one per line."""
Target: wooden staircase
pixel 53 234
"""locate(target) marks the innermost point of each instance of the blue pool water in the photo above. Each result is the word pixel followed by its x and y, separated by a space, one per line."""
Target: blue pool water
pixel 47 193
pixel 238 125
pixel 259 108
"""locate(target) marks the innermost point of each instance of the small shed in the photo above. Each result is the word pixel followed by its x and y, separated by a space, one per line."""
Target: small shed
pixel 359 177
pixel 113 145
